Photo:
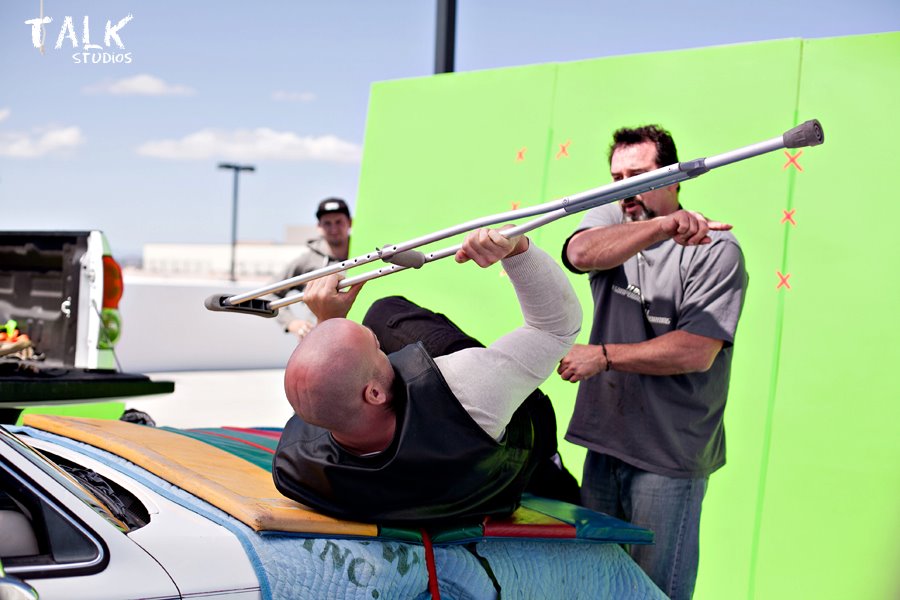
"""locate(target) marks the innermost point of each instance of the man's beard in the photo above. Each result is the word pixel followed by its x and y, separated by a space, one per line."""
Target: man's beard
pixel 645 215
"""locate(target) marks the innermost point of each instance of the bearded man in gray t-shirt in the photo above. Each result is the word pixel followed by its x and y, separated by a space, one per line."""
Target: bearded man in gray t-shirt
pixel 668 287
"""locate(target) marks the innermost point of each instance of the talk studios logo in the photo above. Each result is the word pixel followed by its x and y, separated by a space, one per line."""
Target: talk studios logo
pixel 87 53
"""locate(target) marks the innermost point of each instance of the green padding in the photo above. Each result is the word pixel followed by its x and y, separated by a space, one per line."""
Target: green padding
pixel 401 535
pixel 220 439
pixel 813 422
pixel 590 525
pixel 458 535
pixel 99 410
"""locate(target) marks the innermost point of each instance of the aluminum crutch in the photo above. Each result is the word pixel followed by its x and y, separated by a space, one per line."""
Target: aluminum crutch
pixel 404 256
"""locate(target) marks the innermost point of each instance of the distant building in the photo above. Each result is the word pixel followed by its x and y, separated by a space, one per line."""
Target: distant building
pixel 299 234
pixel 259 261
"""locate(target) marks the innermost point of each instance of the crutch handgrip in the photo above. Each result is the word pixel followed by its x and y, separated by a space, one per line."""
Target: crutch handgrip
pixel 256 306
pixel 408 258
pixel 806 134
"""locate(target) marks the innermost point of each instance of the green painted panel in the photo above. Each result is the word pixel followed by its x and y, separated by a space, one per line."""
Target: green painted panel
pixel 446 149
pixel 439 152
pixel 831 523
pixel 713 100
pixel 94 410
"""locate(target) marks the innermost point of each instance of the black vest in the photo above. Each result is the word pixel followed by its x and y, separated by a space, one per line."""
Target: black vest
pixel 441 467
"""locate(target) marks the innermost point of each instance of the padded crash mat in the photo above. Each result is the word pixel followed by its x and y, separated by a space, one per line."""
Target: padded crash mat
pixel 230 468
pixel 226 481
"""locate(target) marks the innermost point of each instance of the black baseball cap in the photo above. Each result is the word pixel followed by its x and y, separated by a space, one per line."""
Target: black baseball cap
pixel 332 205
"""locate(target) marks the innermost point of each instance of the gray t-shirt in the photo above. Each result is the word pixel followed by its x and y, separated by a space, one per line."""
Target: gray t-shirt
pixel 670 425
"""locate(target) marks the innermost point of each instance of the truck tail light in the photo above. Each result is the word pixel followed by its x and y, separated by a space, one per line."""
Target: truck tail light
pixel 110 321
pixel 112 282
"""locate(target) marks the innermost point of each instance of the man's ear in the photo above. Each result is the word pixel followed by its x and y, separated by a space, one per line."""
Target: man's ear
pixel 375 394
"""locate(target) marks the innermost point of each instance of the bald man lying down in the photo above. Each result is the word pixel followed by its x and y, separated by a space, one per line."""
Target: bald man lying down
pixel 409 438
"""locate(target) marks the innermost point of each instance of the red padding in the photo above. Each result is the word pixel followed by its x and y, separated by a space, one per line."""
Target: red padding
pixel 526 523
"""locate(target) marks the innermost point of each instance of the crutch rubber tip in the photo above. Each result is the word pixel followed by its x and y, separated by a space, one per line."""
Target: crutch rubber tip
pixel 805 134
pixel 256 306
pixel 410 258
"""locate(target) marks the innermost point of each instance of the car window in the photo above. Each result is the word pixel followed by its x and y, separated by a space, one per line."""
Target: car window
pixel 63 478
pixel 39 537
pixel 117 502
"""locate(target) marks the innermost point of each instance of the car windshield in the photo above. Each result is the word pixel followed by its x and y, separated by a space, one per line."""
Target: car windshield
pixel 69 482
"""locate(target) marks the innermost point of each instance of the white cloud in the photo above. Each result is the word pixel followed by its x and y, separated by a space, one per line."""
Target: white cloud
pixel 39 142
pixel 261 143
pixel 4 113
pixel 283 96
pixel 139 85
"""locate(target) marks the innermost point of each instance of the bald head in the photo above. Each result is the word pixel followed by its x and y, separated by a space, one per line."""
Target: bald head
pixel 338 378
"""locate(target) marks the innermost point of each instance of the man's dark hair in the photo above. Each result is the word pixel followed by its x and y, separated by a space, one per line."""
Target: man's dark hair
pixel 665 146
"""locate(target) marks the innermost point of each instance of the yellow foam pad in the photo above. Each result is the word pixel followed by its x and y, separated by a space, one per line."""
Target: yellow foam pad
pixel 232 484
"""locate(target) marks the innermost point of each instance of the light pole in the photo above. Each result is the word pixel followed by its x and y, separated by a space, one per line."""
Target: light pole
pixel 234 206
pixel 445 38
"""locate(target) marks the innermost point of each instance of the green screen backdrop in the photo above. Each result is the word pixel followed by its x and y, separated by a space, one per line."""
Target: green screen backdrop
pixel 809 503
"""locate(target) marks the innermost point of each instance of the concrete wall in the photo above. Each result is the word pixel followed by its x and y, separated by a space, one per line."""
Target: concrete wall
pixel 166 327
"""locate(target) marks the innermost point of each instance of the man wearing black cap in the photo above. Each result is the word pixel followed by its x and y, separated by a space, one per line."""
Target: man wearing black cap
pixel 332 246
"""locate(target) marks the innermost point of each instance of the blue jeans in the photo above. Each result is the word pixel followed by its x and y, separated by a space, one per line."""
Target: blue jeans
pixel 668 506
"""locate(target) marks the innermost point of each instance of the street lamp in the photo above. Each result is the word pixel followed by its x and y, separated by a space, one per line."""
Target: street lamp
pixel 234 206
pixel 445 38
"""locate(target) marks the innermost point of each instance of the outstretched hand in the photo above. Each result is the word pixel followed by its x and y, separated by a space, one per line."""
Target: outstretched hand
pixel 488 246
pixel 325 301
pixel 690 228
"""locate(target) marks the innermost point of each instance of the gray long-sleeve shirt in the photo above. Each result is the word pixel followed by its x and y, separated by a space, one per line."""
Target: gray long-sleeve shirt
pixel 492 382
pixel 316 254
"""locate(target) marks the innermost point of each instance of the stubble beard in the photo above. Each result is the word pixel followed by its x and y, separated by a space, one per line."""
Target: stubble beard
pixel 645 213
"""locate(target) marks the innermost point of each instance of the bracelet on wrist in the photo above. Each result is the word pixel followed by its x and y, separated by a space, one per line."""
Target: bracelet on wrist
pixel 606 357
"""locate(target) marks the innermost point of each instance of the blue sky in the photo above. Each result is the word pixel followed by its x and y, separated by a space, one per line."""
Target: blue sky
pixel 131 147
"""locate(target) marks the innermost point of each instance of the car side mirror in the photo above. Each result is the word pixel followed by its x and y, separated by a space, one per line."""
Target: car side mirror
pixel 12 588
